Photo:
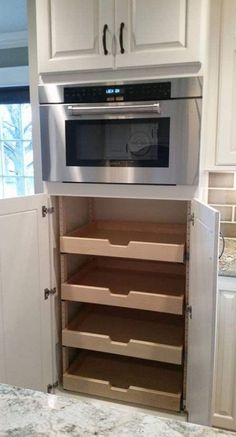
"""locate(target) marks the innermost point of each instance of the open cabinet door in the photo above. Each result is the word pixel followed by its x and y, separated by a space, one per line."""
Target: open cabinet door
pixel 26 352
pixel 204 235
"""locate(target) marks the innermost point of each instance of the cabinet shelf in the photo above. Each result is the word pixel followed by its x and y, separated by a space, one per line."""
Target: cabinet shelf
pixel 151 241
pixel 135 333
pixel 126 379
pixel 147 285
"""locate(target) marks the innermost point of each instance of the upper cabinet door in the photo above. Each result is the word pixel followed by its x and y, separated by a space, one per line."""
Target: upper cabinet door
pixel 204 235
pixel 74 35
pixel 26 345
pixel 157 32
pixel 226 138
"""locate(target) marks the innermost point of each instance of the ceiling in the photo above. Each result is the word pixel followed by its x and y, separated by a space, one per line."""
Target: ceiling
pixel 13 16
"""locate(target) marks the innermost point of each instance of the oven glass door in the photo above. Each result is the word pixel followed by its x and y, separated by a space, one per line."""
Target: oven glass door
pixel 118 142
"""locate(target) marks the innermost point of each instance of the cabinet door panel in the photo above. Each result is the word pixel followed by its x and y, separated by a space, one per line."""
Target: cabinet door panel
pixel 72 40
pixel 158 23
pixel 158 32
pixel 224 407
pixel 25 317
pixel 75 28
pixel 202 297
pixel 226 139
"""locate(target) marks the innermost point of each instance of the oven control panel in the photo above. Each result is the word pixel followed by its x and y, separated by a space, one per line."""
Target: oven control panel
pixel 118 93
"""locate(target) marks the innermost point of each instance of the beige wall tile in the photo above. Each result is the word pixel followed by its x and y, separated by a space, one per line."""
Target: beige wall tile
pixel 221 180
pixel 228 229
pixel 223 197
pixel 226 212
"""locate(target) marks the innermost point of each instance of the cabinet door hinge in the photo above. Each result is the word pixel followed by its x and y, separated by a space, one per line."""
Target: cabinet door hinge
pixel 51 387
pixel 183 406
pixel 191 218
pixel 189 311
pixel 49 292
pixel 186 257
pixel 46 210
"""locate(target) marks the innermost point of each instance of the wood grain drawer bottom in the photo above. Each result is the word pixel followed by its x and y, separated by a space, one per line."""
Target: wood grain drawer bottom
pixel 148 285
pixel 137 240
pixel 126 379
pixel 135 333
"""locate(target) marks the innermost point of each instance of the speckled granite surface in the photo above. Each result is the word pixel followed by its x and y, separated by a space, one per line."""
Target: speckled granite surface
pixel 227 263
pixel 26 413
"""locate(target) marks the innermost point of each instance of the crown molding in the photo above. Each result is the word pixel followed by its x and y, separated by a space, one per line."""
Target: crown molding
pixel 10 40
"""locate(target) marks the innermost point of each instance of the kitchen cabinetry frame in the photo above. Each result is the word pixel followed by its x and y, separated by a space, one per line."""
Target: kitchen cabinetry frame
pixel 30 240
pixel 92 328
pixel 86 276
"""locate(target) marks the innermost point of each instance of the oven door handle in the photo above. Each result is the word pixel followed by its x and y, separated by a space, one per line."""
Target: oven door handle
pixel 114 109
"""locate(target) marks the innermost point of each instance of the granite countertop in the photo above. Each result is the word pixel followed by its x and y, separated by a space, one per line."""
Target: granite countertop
pixel 227 263
pixel 27 413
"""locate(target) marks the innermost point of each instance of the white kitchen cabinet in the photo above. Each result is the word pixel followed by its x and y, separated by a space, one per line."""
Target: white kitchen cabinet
pixel 27 341
pixel 202 301
pixel 70 35
pixel 157 32
pixel 224 405
pixel 138 33
pixel 226 134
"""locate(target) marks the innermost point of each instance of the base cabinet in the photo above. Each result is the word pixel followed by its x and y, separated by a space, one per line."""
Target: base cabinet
pixel 224 407
pixel 125 282
pixel 124 295
pixel 115 346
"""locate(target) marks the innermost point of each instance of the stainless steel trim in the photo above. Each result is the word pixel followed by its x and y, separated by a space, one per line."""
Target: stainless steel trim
pixel 117 108
pixel 180 88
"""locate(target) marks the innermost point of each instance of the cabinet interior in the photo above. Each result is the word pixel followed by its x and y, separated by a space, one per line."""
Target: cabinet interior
pixel 123 292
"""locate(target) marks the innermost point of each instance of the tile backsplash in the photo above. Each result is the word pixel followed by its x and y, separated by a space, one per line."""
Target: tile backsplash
pixel 222 196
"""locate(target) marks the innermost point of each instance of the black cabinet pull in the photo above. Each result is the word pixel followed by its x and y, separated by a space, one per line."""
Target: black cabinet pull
pixel 104 39
pixel 122 50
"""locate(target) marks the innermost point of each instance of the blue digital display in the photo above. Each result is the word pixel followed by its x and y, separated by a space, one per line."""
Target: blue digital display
pixel 113 91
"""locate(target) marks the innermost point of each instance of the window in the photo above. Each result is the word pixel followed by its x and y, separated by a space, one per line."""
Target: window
pixel 16 153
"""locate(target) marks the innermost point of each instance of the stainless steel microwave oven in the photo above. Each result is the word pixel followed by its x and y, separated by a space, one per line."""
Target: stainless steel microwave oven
pixel 142 133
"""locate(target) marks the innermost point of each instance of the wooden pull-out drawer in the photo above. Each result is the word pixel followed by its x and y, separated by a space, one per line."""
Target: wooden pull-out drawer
pixel 134 333
pixel 126 379
pixel 151 241
pixel 137 284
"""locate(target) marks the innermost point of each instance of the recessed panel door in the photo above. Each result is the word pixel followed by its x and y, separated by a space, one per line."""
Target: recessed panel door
pixel 224 403
pixel 26 346
pixel 204 237
pixel 226 133
pixel 157 32
pixel 78 35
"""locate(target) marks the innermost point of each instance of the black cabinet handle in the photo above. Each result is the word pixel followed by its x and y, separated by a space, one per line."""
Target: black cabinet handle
pixel 104 39
pixel 122 50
